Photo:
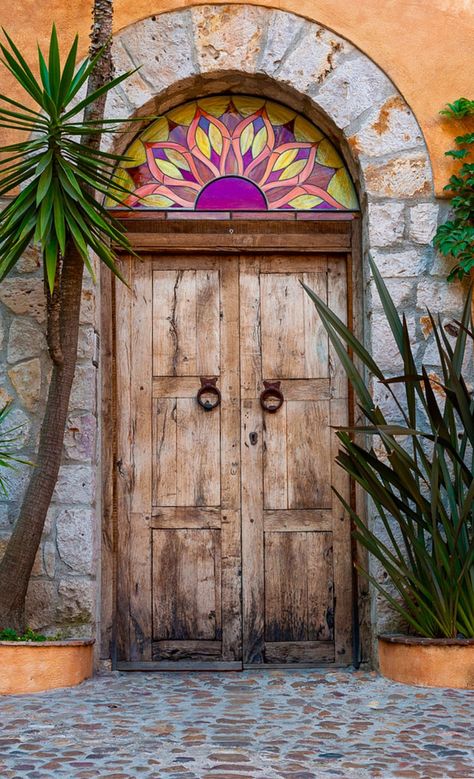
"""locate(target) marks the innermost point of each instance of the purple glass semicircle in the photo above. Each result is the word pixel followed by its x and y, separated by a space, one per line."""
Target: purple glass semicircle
pixel 231 193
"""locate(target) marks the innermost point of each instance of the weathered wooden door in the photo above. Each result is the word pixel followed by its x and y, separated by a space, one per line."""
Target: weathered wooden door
pixel 296 542
pixel 179 591
pixel 231 546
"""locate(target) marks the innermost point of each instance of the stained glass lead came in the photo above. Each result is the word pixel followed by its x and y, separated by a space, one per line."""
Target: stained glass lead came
pixel 235 152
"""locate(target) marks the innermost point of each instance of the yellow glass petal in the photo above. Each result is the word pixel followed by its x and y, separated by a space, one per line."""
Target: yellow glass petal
pixel 125 180
pixel 306 131
pixel 156 201
pixel 342 189
pixel 293 170
pixel 157 131
pixel 285 159
pixel 183 114
pixel 177 158
pixel 215 137
pixel 137 152
pixel 215 106
pixel 203 142
pixel 279 114
pixel 169 169
pixel 327 155
pixel 259 142
pixel 305 202
pixel 246 139
pixel 247 105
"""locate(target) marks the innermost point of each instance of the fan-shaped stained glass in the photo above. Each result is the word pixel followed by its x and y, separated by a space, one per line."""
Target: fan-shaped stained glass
pixel 234 152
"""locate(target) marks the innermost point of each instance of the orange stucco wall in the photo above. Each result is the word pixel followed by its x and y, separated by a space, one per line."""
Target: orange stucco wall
pixel 425 46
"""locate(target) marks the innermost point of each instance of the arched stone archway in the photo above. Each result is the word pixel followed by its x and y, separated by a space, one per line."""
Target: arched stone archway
pixel 211 49
pixel 244 49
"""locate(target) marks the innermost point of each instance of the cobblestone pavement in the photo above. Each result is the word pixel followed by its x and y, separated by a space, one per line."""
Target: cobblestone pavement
pixel 253 725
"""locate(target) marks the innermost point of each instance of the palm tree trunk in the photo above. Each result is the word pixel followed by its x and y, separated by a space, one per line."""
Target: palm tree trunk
pixel 19 556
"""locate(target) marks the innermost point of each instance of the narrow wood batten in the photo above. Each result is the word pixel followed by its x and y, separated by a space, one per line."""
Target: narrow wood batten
pixel 238 235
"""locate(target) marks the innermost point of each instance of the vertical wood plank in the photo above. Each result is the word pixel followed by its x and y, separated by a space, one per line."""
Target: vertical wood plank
pixel 316 341
pixel 184 584
pixel 108 451
pixel 207 323
pixel 320 576
pixel 358 315
pixel 275 481
pixel 124 457
pixel 183 319
pixel 250 329
pixel 286 586
pixel 141 403
pixel 141 394
pixel 164 452
pixel 252 462
pixel 230 462
pixel 174 323
pixel 282 326
pixel 164 335
pixel 309 467
pixel 342 552
pixel 198 454
pixel 337 302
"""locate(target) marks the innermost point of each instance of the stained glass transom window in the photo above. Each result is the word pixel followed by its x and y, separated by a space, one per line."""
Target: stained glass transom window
pixel 235 152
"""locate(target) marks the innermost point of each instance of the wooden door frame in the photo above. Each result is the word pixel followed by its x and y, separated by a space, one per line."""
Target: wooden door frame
pixel 227 236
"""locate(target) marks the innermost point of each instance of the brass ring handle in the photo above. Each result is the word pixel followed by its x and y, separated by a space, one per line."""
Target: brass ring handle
pixel 208 387
pixel 271 398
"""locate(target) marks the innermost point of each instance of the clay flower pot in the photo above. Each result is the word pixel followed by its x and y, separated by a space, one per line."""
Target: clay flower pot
pixel 34 666
pixel 427 662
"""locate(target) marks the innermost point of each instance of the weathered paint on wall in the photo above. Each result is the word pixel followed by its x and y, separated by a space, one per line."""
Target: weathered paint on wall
pixel 425 47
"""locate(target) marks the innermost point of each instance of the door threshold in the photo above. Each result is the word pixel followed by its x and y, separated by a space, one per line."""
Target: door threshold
pixel 295 666
pixel 177 665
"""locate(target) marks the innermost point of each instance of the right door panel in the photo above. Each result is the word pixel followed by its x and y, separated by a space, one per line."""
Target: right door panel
pixel 296 537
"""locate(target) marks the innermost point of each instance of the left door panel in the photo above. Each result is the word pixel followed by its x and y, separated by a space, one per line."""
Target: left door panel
pixel 178 462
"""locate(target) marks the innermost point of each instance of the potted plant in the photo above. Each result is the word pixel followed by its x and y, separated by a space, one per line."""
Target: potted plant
pixel 418 472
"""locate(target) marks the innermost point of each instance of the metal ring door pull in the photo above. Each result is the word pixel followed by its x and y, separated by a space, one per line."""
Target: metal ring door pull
pixel 208 388
pixel 271 398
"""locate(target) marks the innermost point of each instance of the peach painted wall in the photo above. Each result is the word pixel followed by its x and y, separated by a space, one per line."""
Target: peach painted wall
pixel 425 46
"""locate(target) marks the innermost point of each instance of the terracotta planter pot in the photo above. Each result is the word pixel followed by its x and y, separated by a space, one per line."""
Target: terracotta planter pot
pixel 37 666
pixel 428 662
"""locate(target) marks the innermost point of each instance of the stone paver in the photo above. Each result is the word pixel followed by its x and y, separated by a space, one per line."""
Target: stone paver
pixel 253 725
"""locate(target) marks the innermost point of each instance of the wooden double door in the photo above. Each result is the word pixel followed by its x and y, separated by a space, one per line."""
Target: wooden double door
pixel 232 548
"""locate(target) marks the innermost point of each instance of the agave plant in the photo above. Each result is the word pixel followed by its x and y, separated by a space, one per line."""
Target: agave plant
pixel 423 491
pixel 57 171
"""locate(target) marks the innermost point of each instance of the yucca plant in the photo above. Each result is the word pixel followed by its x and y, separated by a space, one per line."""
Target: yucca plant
pixel 54 176
pixel 423 490
pixel 57 171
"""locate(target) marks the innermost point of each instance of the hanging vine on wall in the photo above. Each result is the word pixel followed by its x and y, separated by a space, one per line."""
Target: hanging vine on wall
pixel 455 238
